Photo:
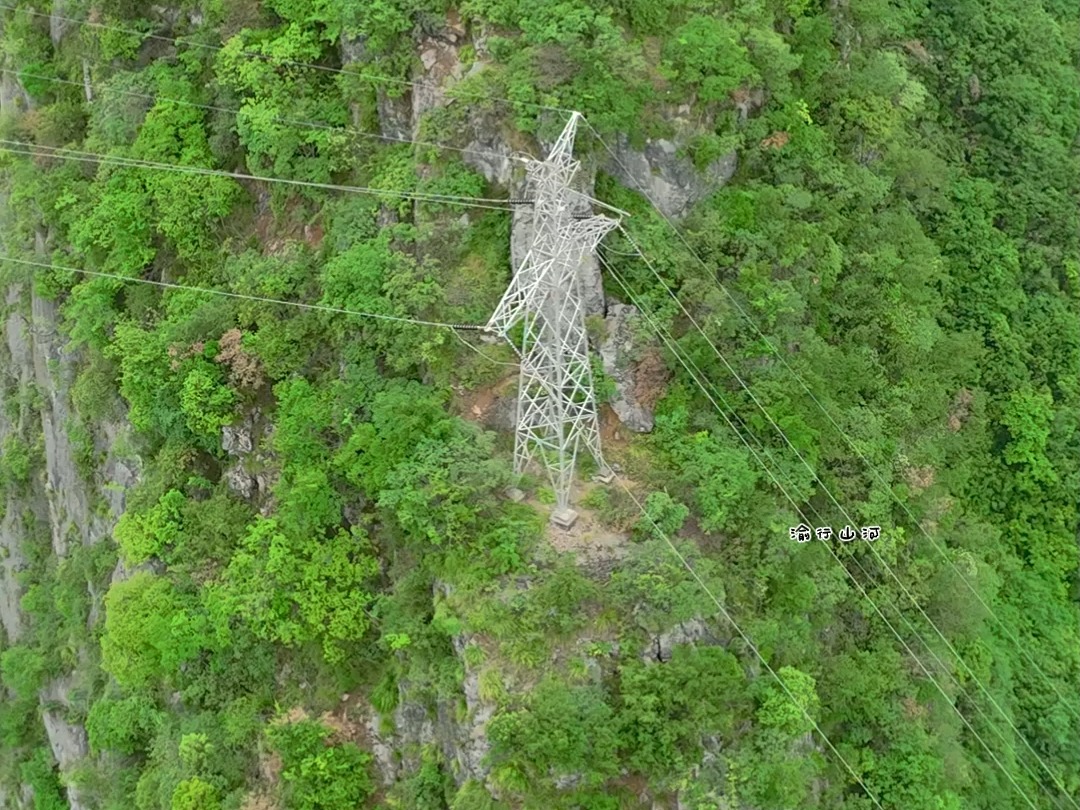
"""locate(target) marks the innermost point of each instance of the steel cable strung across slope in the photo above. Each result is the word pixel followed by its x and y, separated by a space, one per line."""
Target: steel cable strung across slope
pixel 494 204
pixel 960 660
pixel 455 327
pixel 258 298
pixel 289 62
pixel 847 439
pixel 746 640
pixel 295 121
pixel 430 198
pixel 672 346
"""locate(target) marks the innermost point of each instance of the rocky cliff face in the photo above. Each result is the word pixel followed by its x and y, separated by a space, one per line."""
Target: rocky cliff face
pixel 76 511
pixel 34 358
pixel 666 176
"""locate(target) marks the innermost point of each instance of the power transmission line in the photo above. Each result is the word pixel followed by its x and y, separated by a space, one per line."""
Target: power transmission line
pixel 746 640
pixel 246 297
pixel 494 204
pixel 415 197
pixel 904 589
pixel 697 377
pixel 880 559
pixel 877 476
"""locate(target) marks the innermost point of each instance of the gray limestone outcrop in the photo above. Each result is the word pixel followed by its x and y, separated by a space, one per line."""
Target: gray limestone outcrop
pixel 668 178
pixel 461 736
pixel 68 495
pixel 75 509
pixel 636 369
pixel 251 475
pixel 20 368
pixel 67 740
pixel 690 632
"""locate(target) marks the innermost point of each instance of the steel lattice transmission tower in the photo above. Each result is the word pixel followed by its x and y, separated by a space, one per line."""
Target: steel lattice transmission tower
pixel 556 407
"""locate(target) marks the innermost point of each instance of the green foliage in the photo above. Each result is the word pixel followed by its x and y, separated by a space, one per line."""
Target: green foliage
pixel 707 53
pixel 717 473
pixel 655 588
pixel 791 716
pixel 663 517
pixel 560 731
pixel 126 725
pixel 275 87
pixel 662 716
pixel 186 205
pixel 206 401
pixel 150 630
pixel 902 233
pixel 318 775
pixel 142 536
pixel 17 460
pixel 441 491
pixel 22 670
pixel 195 794
pixel 296 587
pixel 40 773
pixel 426 789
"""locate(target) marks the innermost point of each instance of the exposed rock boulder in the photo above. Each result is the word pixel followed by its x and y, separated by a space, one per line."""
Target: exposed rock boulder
pixel 502 413
pixel 395 115
pixel 488 152
pixel 13 98
pixel 670 180
pixel 236 440
pixel 688 632
pixel 471 747
pixel 353 49
pixel 252 473
pixel 120 471
pixel 442 68
pixel 638 371
pixel 58 22
pixel 394 108
pixel 12 560
pixel 402 107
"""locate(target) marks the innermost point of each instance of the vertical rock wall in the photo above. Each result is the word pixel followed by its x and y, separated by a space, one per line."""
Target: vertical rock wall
pixel 35 358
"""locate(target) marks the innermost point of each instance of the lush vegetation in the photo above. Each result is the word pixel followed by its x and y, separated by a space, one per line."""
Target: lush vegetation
pixel 882 303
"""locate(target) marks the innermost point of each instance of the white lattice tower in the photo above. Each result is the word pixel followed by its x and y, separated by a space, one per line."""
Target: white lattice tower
pixel 556 408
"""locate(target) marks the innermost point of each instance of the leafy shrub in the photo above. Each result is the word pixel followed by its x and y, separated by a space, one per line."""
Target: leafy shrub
pixel 22 670
pixel 15 461
pixel 39 772
pixel 150 629
pixel 561 731
pixel 662 717
pixel 126 725
pixel 195 794
pixel 296 587
pixel 319 775
pixel 707 53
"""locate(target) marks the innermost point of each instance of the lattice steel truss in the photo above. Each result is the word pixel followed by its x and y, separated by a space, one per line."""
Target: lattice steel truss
pixel 556 407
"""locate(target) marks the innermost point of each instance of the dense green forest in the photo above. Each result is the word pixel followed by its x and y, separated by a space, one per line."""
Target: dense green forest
pixel 261 556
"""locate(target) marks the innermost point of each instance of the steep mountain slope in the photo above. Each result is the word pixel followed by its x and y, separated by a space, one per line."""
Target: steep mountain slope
pixel 257 555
